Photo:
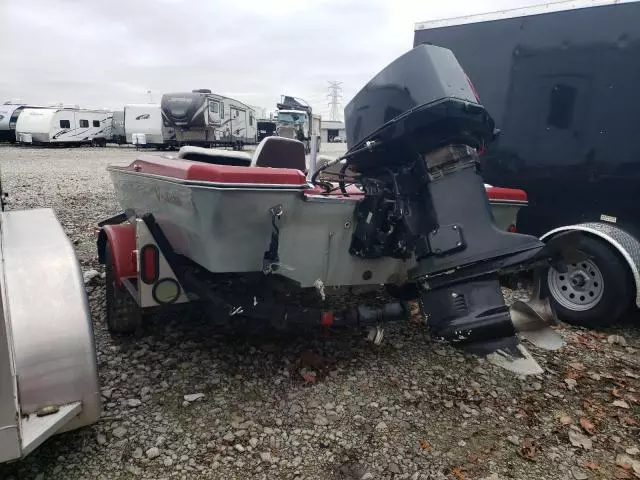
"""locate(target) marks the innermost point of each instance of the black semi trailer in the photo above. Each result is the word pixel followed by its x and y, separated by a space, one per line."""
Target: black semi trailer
pixel 562 81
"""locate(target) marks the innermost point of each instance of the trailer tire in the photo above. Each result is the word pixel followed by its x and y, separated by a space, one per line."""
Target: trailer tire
pixel 123 313
pixel 595 292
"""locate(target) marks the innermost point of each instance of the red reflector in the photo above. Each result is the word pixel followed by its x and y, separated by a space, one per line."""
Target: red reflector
pixel 150 264
pixel 133 259
pixel 512 228
pixel 327 319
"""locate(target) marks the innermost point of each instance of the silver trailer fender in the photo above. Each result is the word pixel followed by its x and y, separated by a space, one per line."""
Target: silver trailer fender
pixel 623 242
pixel 48 372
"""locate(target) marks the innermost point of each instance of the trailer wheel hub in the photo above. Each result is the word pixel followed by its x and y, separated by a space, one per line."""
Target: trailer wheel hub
pixel 579 288
pixel 579 280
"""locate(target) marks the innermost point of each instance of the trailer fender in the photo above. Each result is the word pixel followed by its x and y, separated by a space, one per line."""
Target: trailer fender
pixel 122 241
pixel 45 305
pixel 624 243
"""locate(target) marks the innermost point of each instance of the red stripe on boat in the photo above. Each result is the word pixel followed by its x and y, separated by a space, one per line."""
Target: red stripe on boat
pixel 495 193
pixel 506 194
pixel 208 172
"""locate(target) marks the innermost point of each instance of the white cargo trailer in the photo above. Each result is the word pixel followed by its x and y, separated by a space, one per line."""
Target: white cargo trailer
pixel 143 125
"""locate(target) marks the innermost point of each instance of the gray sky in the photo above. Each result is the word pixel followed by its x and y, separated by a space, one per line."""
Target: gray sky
pixel 109 53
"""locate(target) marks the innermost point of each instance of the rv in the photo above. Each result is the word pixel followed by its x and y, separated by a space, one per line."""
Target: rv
pixel 7 110
pixel 564 95
pixel 117 127
pixel 144 126
pixel 206 119
pixel 63 126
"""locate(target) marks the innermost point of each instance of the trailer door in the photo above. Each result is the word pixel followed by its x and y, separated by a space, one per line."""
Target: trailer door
pixel 214 117
pixel 547 106
pixel 547 123
pixel 563 119
pixel 238 122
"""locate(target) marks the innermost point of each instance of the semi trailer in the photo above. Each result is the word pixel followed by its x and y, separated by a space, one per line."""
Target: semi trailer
pixel 564 95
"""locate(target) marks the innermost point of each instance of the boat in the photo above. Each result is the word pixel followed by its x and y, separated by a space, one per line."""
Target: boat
pixel 408 210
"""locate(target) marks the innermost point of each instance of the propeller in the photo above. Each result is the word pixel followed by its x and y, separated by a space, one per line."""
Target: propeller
pixel 517 360
pixel 531 321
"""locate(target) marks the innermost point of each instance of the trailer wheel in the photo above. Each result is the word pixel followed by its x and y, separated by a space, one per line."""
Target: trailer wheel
pixel 123 313
pixel 593 292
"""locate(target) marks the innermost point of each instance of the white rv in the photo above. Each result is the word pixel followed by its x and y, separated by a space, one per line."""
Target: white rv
pixel 206 119
pixel 143 125
pixel 63 126
pixel 7 112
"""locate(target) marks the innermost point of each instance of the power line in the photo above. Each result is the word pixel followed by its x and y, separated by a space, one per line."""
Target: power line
pixel 334 96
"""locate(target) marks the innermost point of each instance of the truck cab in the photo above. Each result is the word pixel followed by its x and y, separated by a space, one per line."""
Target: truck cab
pixel 295 119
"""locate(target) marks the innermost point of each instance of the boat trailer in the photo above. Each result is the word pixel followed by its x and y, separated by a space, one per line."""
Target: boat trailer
pixel 264 236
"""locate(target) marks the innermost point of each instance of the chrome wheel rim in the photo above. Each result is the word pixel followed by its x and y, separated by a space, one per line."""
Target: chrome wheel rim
pixel 580 288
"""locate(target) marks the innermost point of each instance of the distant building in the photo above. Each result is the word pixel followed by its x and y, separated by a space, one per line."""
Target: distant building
pixel 330 129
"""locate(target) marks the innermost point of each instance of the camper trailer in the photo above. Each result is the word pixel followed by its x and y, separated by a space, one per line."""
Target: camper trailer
pixel 7 110
pixel 63 126
pixel 117 128
pixel 144 126
pixel 564 95
pixel 206 119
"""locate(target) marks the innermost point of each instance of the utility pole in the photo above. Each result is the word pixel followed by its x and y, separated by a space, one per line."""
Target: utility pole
pixel 334 96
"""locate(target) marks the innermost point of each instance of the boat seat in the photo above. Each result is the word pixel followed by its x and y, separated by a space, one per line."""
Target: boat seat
pixel 280 152
pixel 215 155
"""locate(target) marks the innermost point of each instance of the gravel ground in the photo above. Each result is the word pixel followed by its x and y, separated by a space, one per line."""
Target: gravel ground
pixel 187 400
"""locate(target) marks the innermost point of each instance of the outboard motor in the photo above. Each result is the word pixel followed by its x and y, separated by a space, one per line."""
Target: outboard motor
pixel 414 134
